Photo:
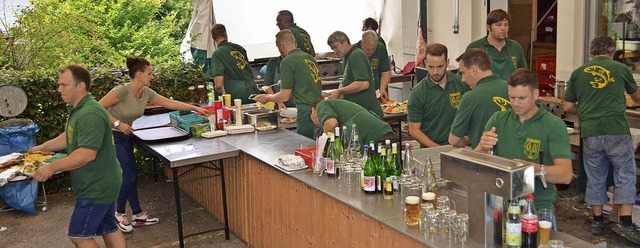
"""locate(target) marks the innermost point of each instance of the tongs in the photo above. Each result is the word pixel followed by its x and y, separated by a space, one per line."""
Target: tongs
pixel 266 87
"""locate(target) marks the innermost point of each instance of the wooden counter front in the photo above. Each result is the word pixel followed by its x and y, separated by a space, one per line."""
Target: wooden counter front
pixel 268 208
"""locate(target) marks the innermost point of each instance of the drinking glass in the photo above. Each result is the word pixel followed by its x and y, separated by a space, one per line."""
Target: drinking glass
pixel 321 164
pixel 545 220
pixel 431 227
pixel 412 210
pixel 554 243
pixel 462 225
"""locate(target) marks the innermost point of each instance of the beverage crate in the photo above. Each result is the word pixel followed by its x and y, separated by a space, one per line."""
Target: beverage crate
pixel 307 155
pixel 184 119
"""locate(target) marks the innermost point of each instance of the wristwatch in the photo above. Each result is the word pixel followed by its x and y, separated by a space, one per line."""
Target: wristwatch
pixel 116 124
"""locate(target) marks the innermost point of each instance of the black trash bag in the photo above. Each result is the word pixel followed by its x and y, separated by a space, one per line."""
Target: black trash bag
pixel 17 135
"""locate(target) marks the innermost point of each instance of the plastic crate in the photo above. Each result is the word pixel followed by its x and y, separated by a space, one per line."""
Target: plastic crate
pixel 184 121
pixel 307 155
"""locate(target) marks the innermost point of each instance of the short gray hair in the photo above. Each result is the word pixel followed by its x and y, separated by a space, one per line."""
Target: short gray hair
pixel 337 36
pixel 369 37
pixel 602 45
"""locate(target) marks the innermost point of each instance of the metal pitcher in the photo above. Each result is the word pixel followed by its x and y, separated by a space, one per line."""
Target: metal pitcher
pixel 559 88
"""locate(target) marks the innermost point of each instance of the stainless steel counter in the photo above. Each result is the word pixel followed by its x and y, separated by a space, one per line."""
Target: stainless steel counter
pixel 268 146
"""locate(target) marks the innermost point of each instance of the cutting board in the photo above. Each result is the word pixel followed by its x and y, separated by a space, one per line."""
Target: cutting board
pixel 158 134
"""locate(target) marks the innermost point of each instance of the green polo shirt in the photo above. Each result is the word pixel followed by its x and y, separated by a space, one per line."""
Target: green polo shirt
pixel 543 132
pixel 379 62
pixel 370 127
pixel 230 61
pixel 303 40
pixel 88 126
pixel 476 106
pixel 356 67
pixel 511 50
pixel 598 87
pixel 381 40
pixel 434 107
pixel 300 74
pixel 273 74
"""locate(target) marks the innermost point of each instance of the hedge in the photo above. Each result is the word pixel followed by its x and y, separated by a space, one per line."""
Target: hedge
pixel 46 108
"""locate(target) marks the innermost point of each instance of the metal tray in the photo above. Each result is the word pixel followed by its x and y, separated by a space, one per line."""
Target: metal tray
pixel 160 134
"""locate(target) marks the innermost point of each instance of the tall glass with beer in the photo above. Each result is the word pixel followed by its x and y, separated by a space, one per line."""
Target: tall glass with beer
pixel 545 220
pixel 412 210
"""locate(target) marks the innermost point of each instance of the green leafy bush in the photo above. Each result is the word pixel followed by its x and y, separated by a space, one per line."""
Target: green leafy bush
pixel 46 108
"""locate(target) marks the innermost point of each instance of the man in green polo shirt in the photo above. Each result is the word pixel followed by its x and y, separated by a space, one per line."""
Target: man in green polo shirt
pixel 597 88
pixel 527 129
pixel 357 83
pixel 300 78
pixel 372 24
pixel 506 54
pixel 379 59
pixel 434 101
pixel 96 175
pixel 488 95
pixel 331 113
pixel 284 20
pixel 230 69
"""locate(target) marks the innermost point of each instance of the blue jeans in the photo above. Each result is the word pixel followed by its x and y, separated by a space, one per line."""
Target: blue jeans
pixel 129 189
pixel 600 152
pixel 90 219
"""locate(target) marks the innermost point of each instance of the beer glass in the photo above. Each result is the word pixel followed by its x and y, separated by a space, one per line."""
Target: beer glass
pixel 556 243
pixel 431 226
pixel 412 210
pixel 429 197
pixel 387 188
pixel 192 93
pixel 444 203
pixel 462 227
pixel 201 93
pixel 545 220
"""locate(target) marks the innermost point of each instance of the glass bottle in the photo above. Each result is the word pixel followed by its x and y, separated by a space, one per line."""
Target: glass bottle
pixel 345 138
pixel 514 225
pixel 369 173
pixel 396 167
pixel 365 157
pixel 355 142
pixel 407 169
pixel 429 180
pixel 338 151
pixel 382 170
pixel 331 168
pixel 529 224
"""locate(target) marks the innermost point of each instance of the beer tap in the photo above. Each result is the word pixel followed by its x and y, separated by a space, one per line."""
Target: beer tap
pixel 542 172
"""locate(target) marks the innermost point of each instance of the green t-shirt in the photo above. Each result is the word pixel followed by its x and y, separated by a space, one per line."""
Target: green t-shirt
pixel 230 60
pixel 356 67
pixel 598 87
pixel 434 107
pixel 88 126
pixel 273 75
pixel 381 40
pixel 370 127
pixel 511 51
pixel 543 132
pixel 300 74
pixel 303 40
pixel 379 62
pixel 130 108
pixel 477 105
pixel 273 71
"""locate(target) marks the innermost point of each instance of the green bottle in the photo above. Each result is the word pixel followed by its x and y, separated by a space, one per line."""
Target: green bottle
pixel 396 166
pixel 382 169
pixel 369 172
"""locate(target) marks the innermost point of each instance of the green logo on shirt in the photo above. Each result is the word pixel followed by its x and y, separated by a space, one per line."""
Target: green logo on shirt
pixel 307 41
pixel 69 134
pixel 241 61
pixel 374 64
pixel 531 148
pixel 601 76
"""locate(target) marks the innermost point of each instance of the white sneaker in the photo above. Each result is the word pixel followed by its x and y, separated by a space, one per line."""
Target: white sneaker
pixel 144 220
pixel 123 223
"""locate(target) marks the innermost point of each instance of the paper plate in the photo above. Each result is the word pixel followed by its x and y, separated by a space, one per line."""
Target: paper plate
pixel 289 112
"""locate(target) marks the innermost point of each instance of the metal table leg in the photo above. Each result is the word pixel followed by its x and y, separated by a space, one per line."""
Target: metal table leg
pixel 224 201
pixel 176 191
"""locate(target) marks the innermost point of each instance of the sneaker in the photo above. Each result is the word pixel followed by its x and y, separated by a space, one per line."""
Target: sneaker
pixel 629 232
pixel 144 220
pixel 123 223
pixel 597 227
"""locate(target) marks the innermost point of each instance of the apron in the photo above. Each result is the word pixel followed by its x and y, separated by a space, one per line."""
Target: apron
pixel 503 67
pixel 240 89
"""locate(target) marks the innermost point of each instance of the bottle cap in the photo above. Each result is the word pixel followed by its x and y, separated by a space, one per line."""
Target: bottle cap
pixel 530 197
